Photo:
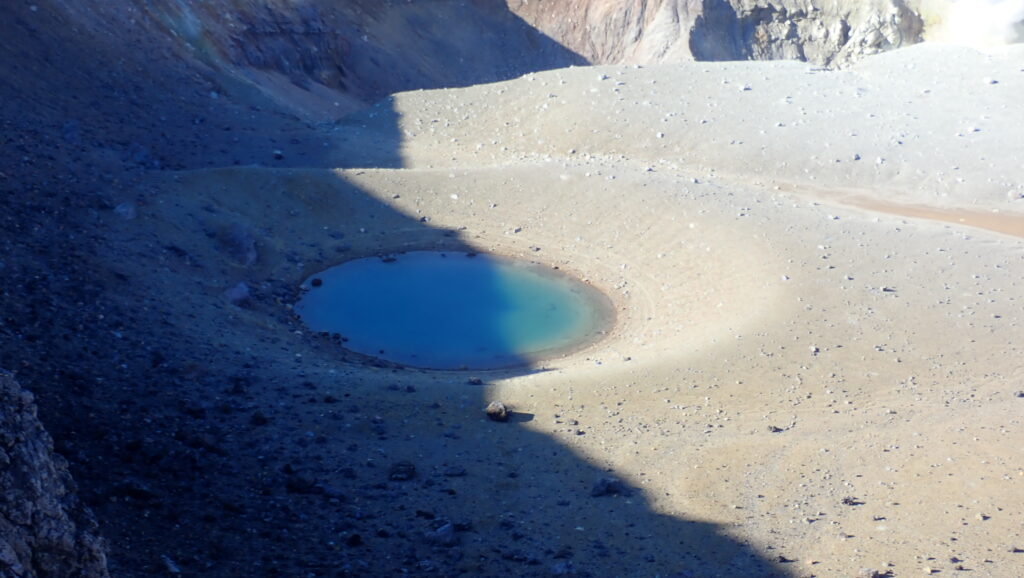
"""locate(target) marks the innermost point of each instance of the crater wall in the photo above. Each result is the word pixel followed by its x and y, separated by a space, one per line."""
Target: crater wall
pixel 641 31
pixel 338 56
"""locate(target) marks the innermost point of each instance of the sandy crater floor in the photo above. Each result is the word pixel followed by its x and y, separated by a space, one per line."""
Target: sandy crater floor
pixel 831 386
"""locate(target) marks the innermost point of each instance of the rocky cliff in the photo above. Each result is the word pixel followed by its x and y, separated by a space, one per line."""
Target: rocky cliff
pixel 648 31
pixel 44 529
pixel 333 57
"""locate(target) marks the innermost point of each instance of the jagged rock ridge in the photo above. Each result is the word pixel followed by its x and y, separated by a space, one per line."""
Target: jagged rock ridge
pixel 44 529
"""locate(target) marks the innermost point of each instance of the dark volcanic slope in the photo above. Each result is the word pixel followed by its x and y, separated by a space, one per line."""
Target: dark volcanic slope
pixel 93 95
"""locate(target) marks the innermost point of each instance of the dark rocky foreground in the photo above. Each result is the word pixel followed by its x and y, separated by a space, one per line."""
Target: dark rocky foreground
pixel 45 530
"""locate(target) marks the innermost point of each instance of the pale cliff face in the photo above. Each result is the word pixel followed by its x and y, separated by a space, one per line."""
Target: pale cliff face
pixel 829 33
pixel 679 30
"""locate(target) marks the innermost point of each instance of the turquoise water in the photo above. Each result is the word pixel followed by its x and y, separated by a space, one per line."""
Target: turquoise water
pixel 453 310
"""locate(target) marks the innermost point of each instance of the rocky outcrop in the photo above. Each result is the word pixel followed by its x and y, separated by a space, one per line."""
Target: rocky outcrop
pixel 44 528
pixel 781 30
pixel 647 31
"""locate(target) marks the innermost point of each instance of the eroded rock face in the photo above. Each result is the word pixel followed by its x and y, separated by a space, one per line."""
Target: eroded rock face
pixel 641 31
pixel 837 35
pixel 44 528
pixel 366 49
pixel 335 57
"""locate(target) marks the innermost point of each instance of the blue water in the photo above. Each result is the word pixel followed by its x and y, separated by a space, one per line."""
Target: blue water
pixel 453 310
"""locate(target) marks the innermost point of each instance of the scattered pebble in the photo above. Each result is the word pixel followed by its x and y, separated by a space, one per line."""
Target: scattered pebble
pixel 238 294
pixel 170 565
pixel 608 487
pixel 443 536
pixel 455 471
pixel 402 471
pixel 126 211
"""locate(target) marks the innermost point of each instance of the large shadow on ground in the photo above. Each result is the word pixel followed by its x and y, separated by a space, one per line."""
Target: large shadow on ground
pixel 210 432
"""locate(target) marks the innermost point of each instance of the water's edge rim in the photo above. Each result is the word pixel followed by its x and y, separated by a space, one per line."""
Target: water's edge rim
pixel 605 313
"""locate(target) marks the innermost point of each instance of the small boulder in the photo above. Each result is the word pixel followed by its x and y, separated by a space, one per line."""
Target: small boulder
pixel 497 411
pixel 443 536
pixel 402 471
pixel 609 487
pixel 238 294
